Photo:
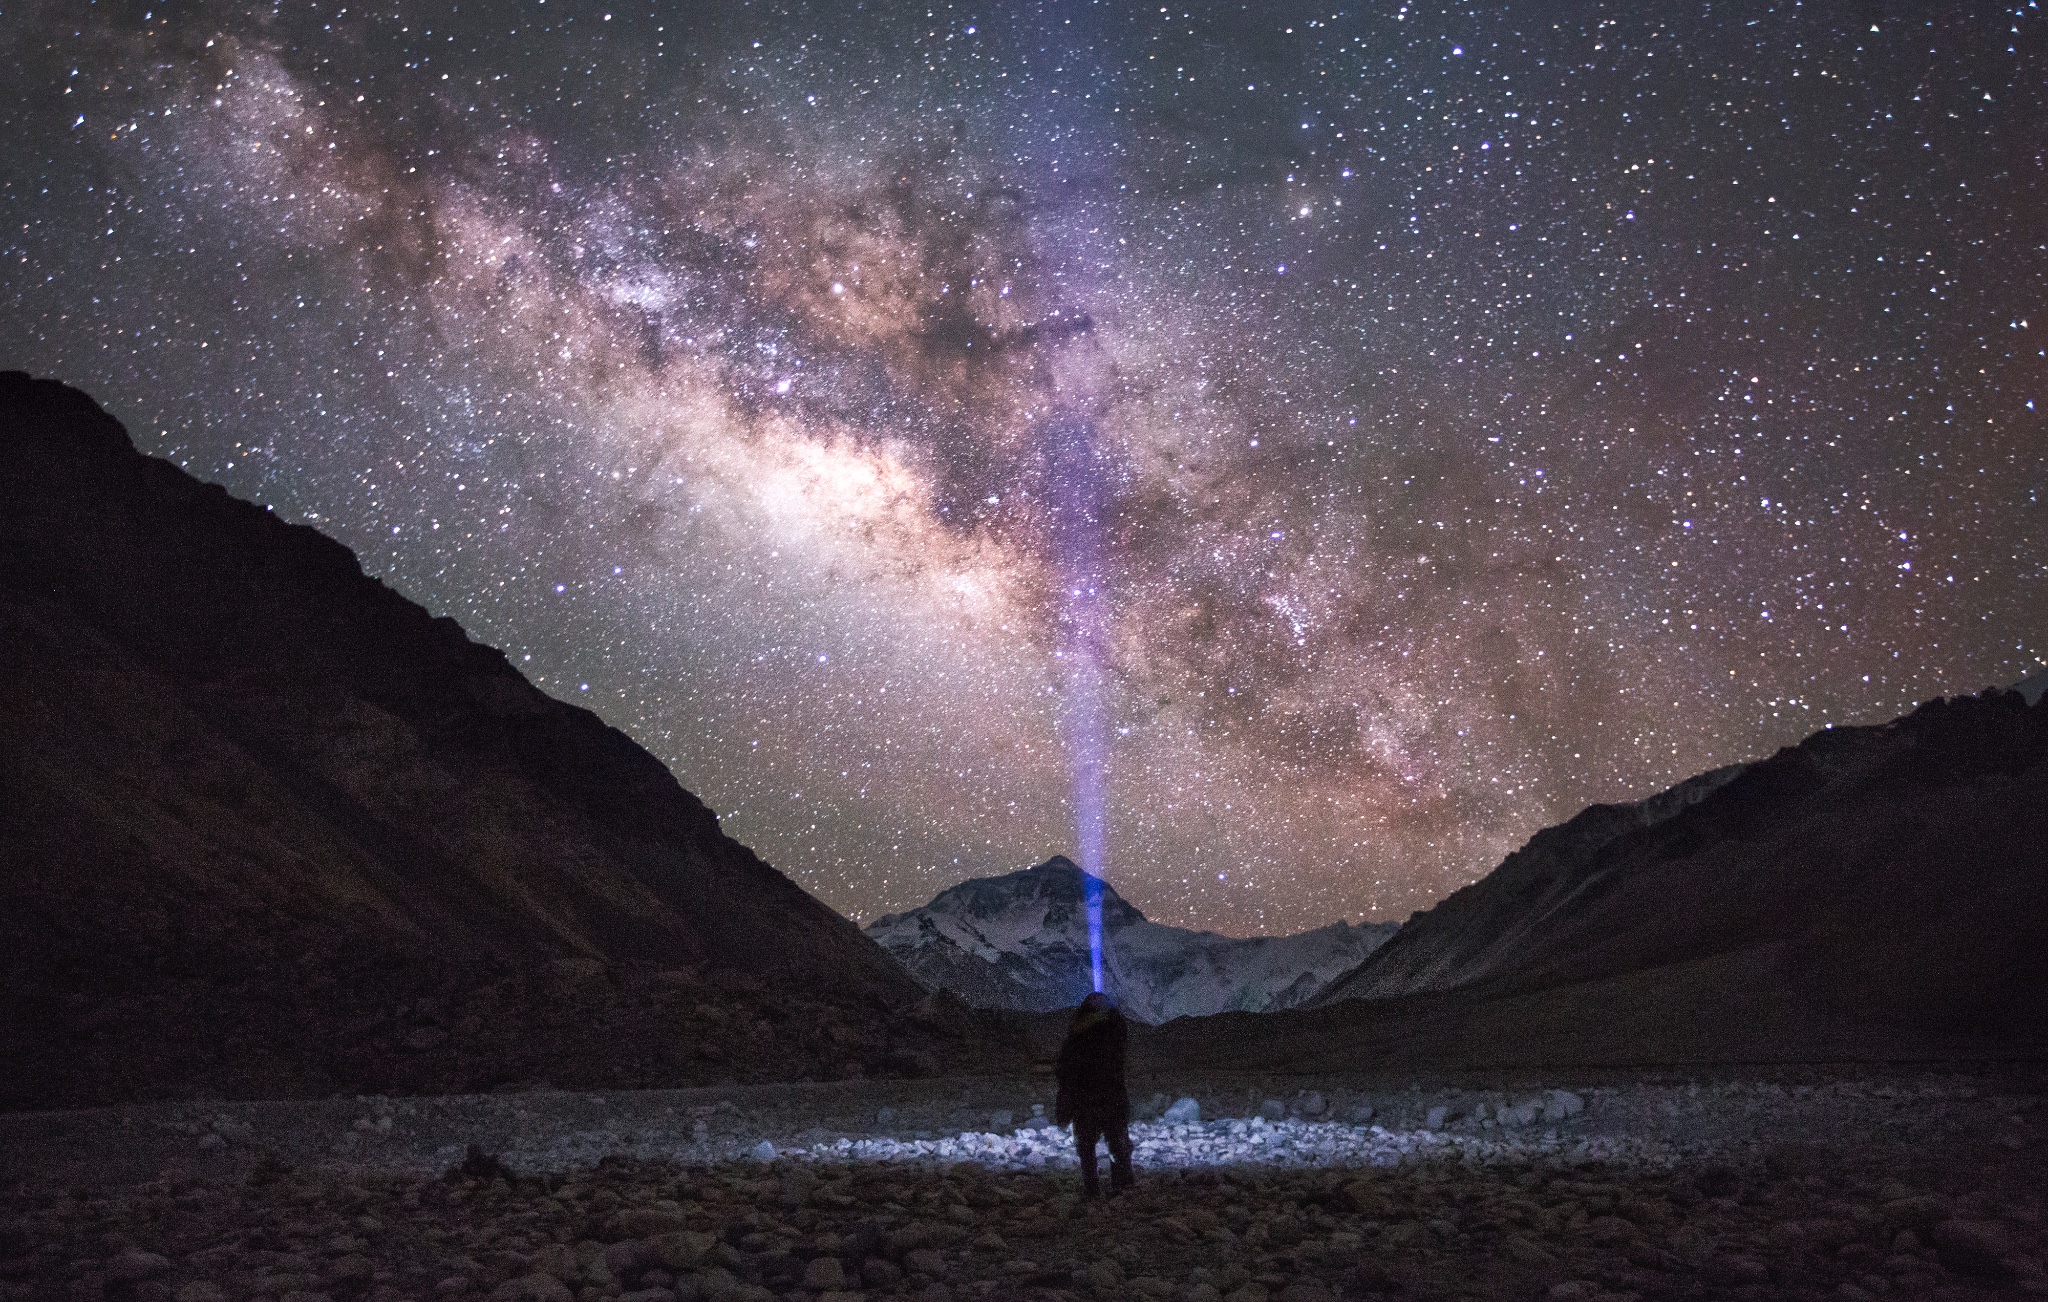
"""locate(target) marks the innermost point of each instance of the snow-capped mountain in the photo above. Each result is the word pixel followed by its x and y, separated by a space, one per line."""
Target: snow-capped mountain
pixel 1021 941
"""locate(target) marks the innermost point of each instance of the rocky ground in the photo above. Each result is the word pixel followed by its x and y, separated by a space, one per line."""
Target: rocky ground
pixel 1906 1186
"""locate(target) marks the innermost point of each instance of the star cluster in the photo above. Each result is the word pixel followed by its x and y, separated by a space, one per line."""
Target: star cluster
pixel 1454 414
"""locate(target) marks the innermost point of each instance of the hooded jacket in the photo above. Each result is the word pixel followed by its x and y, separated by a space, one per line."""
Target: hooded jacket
pixel 1091 1065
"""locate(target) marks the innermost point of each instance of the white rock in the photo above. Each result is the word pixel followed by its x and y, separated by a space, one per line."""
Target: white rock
pixel 1436 1117
pixel 1560 1104
pixel 762 1152
pixel 1185 1111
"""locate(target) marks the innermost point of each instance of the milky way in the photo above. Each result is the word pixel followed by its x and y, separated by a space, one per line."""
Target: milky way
pixel 1371 434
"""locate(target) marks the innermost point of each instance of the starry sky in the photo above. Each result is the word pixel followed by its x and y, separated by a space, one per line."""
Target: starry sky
pixel 1335 441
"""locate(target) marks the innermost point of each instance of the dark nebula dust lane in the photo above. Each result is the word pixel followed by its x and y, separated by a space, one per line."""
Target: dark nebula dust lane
pixel 1349 439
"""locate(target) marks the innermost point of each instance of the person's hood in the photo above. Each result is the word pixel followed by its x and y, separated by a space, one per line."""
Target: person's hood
pixel 1088 1019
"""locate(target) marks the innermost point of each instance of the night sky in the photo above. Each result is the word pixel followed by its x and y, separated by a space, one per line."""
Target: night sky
pixel 1344 440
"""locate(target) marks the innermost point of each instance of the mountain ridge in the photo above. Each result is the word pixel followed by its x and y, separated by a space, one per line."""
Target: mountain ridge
pixel 273 828
pixel 1019 941
pixel 1755 851
pixel 1871 895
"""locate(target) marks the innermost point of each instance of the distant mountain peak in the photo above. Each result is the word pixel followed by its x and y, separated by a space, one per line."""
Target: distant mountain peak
pixel 1020 940
pixel 1053 892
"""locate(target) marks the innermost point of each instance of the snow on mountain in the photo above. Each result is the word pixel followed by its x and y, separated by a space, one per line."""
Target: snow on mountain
pixel 1021 941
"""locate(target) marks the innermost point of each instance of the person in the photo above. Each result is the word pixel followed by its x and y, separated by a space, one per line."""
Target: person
pixel 1092 1094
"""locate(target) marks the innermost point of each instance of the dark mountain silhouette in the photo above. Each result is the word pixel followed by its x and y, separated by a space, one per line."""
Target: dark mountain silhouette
pixel 1874 893
pixel 269 829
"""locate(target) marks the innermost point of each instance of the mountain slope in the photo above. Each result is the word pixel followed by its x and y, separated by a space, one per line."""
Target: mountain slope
pixel 1020 941
pixel 271 828
pixel 1874 893
pixel 1829 848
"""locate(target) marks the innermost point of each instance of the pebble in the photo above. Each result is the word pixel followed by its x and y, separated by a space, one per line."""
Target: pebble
pixel 1262 1140
pixel 1300 1208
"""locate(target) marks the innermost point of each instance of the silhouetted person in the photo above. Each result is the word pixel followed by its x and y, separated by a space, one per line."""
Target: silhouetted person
pixel 1092 1092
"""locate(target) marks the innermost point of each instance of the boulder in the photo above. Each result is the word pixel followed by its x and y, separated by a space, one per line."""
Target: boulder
pixel 825 1274
pixel 1733 1270
pixel 533 1288
pixel 679 1250
pixel 1919 1212
pixel 1560 1105
pixel 133 1267
pixel 645 1222
pixel 1973 1248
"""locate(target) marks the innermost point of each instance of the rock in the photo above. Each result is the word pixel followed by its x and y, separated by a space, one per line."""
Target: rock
pixel 924 1261
pixel 533 1288
pixel 1921 1212
pixel 1607 1231
pixel 762 1152
pixel 1732 1270
pixel 1182 1112
pixel 1972 1248
pixel 1521 1248
pixel 1361 1113
pixel 1311 1104
pixel 352 1269
pixel 679 1249
pixel 825 1274
pixel 1367 1199
pixel 1559 1105
pixel 879 1272
pixel 624 1260
pixel 480 1166
pixel 1104 1276
pixel 645 1222
pixel 133 1267
pixel 1284 1231
pixel 211 1142
pixel 1435 1118
pixel 1273 1110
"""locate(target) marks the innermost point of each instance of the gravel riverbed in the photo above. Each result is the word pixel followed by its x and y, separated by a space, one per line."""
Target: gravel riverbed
pixel 1906 1186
